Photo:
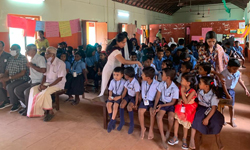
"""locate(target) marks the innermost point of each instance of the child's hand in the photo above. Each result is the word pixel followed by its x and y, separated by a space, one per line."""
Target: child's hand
pixel 229 97
pixel 158 108
pixel 247 93
pixel 135 107
pixel 182 89
pixel 205 122
pixel 116 98
pixel 110 98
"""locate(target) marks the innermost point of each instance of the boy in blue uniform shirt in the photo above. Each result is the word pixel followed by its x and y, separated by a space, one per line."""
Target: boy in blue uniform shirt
pixel 185 57
pixel 231 77
pixel 168 54
pixel 238 49
pixel 148 91
pixel 167 95
pixel 159 59
pixel 116 87
pixel 133 57
pixel 130 96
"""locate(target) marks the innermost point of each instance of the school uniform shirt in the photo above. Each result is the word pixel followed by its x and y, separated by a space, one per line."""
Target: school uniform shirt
pixel 139 55
pixel 97 56
pixel 170 58
pixel 238 49
pixel 176 49
pixel 55 70
pixel 39 61
pixel 207 99
pixel 133 87
pixel 117 86
pixel 168 93
pixel 135 66
pixel 148 92
pixel 4 57
pixel 158 63
pixel 71 59
pixel 68 65
pixel 230 79
pixel 78 66
pixel 90 61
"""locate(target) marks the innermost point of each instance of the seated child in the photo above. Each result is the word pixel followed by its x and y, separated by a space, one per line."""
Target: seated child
pixel 130 96
pixel 147 62
pixel 167 95
pixel 148 91
pixel 176 60
pixel 116 87
pixel 159 59
pixel 99 67
pixel 133 57
pixel 204 70
pixel 185 57
pixel 64 58
pixel 238 49
pixel 90 61
pixel 185 109
pixel 138 53
pixel 186 67
pixel 231 75
pixel 207 120
pixel 168 54
pixel 165 64
pixel 75 80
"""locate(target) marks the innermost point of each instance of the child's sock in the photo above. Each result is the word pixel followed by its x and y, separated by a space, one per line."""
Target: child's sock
pixel 113 124
pixel 122 121
pixel 131 124
pixel 110 116
pixel 110 125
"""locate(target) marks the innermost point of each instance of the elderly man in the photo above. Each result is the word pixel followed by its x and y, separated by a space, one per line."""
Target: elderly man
pixel 17 73
pixel 37 68
pixel 53 80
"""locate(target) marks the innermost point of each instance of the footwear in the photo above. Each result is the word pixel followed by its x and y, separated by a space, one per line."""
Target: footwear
pixel 22 110
pixel 7 104
pixel 15 108
pixel 113 125
pixel 173 141
pixel 110 126
pixel 48 117
pixel 243 67
pixel 184 144
pixel 3 105
pixel 24 113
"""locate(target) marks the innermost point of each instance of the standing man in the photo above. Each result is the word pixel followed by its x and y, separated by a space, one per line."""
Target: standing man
pixel 16 73
pixel 37 68
pixel 159 35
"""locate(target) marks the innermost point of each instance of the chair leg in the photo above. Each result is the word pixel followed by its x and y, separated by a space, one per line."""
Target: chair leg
pixel 105 118
pixel 57 101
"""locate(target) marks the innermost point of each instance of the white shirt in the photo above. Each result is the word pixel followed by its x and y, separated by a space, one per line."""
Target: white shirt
pixel 148 92
pixel 133 87
pixel 117 86
pixel 168 94
pixel 56 70
pixel 230 79
pixel 207 99
pixel 39 61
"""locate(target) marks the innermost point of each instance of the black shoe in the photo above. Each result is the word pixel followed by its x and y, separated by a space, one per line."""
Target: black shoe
pixel 48 117
pixel 15 108
pixel 2 106
pixel 22 110
pixel 24 113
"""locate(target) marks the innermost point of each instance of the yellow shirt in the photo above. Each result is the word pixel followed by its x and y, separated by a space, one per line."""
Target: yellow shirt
pixel 40 44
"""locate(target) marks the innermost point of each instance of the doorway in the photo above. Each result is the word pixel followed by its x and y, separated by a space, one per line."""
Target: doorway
pixel 143 37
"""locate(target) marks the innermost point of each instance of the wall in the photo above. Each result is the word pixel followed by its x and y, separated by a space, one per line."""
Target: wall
pixel 97 10
pixel 217 13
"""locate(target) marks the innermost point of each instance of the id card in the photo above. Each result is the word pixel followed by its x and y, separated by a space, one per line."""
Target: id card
pixel 183 109
pixel 207 111
pixel 146 102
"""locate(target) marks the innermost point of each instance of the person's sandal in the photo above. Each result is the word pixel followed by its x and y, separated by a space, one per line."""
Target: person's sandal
pixel 184 144
pixel 75 102
pixel 48 117
pixel 173 141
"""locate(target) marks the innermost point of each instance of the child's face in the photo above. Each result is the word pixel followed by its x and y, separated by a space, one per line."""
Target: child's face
pixel 77 57
pixel 201 71
pixel 63 57
pixel 133 58
pixel 167 53
pixel 102 56
pixel 99 49
pixel 232 70
pixel 237 44
pixel 164 76
pixel 117 76
pixel 202 85
pixel 178 53
pixel 174 47
pixel 184 69
pixel 126 77
pixel 184 82
pixel 144 77
pixel 160 55
pixel 163 66
pixel 147 63
pixel 164 48
pixel 187 59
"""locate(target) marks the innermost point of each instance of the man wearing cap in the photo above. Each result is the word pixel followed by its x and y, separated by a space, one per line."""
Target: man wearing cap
pixel 201 40
pixel 16 73
pixel 53 80
pixel 37 66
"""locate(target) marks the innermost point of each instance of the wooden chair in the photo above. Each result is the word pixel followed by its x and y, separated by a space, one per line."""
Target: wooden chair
pixel 223 103
pixel 56 95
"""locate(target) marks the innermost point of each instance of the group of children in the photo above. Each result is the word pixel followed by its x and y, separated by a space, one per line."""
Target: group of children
pixel 188 99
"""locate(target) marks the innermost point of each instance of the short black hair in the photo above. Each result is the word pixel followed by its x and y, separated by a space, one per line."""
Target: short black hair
pixel 227 43
pixel 170 73
pixel 206 67
pixel 188 65
pixel 168 62
pixel 99 46
pixel 173 45
pixel 65 55
pixel 130 72
pixel 233 62
pixel 160 50
pixel 165 45
pixel 169 49
pixel 184 55
pixel 133 54
pixel 118 69
pixel 78 53
pixel 145 58
pixel 64 43
pixel 137 47
pixel 2 43
pixel 181 42
pixel 60 44
pixel 149 72
pixel 236 42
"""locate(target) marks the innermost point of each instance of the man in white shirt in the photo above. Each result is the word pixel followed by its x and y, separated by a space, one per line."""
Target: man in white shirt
pixel 37 66
pixel 53 80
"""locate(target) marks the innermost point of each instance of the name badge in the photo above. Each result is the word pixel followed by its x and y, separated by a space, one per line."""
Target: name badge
pixel 146 102
pixel 207 111
pixel 168 94
pixel 5 60
pixel 183 109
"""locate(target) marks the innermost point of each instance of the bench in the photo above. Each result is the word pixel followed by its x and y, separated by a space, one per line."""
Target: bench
pixel 223 103
pixel 56 95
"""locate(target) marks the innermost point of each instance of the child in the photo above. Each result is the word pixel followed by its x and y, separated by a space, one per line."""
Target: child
pixel 238 49
pixel 90 61
pixel 165 64
pixel 168 54
pixel 185 68
pixel 185 109
pixel 130 96
pixel 204 70
pixel 138 53
pixel 148 91
pixel 167 95
pixel 158 59
pixel 185 57
pixel 70 54
pixel 133 57
pixel 99 67
pixel 116 87
pixel 98 51
pixel 232 76
pixel 207 120
pixel 64 58
pixel 75 83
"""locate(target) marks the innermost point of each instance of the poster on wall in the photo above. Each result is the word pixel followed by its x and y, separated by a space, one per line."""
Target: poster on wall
pixel 219 37
pixel 240 31
pixel 241 40
pixel 241 25
pixel 196 38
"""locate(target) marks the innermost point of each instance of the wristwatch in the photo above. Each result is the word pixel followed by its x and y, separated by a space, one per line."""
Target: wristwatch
pixel 10 77
pixel 112 97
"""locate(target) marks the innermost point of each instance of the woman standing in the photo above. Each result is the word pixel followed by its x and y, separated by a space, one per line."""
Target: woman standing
pixel 115 59
pixel 42 42
pixel 213 53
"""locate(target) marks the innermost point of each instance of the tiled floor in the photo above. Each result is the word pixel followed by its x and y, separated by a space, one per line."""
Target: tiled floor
pixel 80 128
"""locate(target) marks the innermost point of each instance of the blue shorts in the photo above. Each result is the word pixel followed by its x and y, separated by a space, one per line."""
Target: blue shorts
pixel 113 101
pixel 151 105
pixel 231 93
pixel 129 99
pixel 167 108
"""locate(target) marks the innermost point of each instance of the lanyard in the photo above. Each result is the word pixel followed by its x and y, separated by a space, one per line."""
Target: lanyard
pixel 131 88
pixel 165 91
pixel 75 66
pixel 116 89
pixel 209 102
pixel 146 91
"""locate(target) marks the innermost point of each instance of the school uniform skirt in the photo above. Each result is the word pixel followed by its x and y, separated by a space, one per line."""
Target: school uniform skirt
pixel 215 123
pixel 75 85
